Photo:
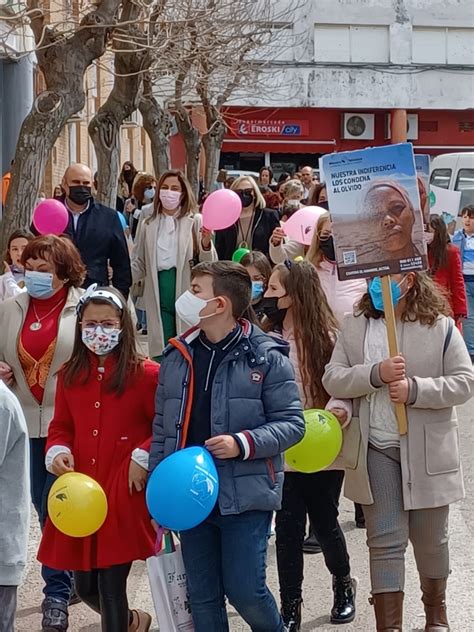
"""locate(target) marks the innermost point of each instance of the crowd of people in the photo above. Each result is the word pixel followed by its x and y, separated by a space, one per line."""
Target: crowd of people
pixel 237 352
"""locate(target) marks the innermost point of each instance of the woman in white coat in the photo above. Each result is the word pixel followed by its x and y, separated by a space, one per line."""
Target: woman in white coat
pixel 168 244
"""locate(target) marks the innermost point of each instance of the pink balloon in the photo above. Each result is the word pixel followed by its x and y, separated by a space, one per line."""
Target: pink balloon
pixel 301 226
pixel 50 217
pixel 221 209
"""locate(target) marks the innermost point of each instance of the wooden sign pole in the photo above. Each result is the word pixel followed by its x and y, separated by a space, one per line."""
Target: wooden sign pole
pixel 389 312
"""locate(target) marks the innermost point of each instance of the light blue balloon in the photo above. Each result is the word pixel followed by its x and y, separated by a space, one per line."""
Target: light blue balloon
pixel 122 219
pixel 183 489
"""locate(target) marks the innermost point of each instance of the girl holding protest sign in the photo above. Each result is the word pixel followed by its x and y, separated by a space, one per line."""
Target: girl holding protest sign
pixel 406 483
pixel 309 326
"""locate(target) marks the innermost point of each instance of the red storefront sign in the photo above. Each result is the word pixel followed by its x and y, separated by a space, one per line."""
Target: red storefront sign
pixel 281 128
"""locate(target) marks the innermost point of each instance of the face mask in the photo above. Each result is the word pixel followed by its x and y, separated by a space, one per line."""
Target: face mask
pixel 79 194
pixel 100 340
pixel 275 314
pixel 428 237
pixel 170 199
pixel 149 193
pixel 327 248
pixel 375 291
pixel 189 306
pixel 246 198
pixel 39 284
pixel 257 290
pixel 324 205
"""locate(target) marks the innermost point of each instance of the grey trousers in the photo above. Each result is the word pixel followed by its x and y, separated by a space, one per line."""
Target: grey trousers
pixel 7 608
pixel 390 527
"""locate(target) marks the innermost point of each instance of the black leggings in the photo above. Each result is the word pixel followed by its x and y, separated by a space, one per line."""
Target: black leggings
pixel 318 494
pixel 105 591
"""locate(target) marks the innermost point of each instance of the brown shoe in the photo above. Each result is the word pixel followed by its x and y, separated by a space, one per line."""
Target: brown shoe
pixel 434 600
pixel 141 621
pixel 388 611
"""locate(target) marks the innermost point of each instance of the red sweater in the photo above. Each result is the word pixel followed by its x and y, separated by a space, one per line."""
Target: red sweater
pixel 451 280
pixel 102 429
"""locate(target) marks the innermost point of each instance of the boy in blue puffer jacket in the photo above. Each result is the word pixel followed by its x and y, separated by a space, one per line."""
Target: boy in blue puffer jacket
pixel 230 387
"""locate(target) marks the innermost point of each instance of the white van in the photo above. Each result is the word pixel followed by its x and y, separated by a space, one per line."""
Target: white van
pixel 456 172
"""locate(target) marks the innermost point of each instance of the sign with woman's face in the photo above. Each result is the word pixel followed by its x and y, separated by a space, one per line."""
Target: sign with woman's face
pixel 375 207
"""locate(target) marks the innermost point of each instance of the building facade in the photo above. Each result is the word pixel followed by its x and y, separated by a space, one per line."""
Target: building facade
pixel 339 69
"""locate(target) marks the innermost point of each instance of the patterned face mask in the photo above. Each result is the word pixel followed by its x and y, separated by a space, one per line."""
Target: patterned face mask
pixel 101 340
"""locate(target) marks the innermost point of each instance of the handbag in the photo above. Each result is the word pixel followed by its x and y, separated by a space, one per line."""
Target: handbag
pixel 352 449
pixel 167 578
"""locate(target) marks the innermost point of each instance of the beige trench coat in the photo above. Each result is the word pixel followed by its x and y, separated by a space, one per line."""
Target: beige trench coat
pixel 430 458
pixel 12 316
pixel 144 266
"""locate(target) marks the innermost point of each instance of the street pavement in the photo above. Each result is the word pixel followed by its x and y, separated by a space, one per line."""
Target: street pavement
pixel 317 584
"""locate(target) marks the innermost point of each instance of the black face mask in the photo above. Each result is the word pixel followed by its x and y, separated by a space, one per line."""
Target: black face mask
pixel 324 204
pixel 247 198
pixel 79 194
pixel 327 247
pixel 270 308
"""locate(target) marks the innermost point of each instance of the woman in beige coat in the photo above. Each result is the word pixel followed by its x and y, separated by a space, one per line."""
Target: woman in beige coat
pixel 169 242
pixel 37 339
pixel 405 483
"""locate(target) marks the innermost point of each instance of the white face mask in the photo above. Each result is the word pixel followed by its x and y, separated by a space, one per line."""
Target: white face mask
pixel 170 199
pixel 189 307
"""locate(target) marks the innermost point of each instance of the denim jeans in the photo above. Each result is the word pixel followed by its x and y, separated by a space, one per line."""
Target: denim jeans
pixel 226 556
pixel 7 608
pixel 318 495
pixel 57 583
pixel 468 323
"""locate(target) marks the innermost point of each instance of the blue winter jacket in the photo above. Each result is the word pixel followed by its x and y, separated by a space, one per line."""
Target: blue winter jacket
pixel 254 396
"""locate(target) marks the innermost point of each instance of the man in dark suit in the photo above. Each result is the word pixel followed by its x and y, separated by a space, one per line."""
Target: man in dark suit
pixel 96 231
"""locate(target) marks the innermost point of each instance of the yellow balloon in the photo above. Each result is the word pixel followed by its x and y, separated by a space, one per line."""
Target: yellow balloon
pixel 77 505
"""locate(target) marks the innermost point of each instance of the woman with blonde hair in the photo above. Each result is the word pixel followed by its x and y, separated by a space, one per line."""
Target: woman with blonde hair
pixel 255 225
pixel 169 243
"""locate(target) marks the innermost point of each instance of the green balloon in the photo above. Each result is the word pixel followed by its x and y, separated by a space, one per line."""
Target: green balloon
pixel 320 445
pixel 239 254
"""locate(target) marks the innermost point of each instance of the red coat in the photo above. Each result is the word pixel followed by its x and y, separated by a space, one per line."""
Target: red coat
pixel 451 279
pixel 102 429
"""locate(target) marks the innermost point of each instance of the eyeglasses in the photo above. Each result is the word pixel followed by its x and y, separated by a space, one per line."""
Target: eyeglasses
pixel 324 235
pixel 105 324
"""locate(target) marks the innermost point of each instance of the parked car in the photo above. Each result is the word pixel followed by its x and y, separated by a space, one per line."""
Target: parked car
pixel 455 172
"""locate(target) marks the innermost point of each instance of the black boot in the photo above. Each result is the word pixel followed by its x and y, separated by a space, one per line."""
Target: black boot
pixel 291 614
pixel 343 610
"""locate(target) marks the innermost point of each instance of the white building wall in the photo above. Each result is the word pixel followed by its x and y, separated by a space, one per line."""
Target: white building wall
pixel 385 54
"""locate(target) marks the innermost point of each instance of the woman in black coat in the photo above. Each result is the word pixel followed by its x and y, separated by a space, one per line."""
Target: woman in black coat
pixel 254 227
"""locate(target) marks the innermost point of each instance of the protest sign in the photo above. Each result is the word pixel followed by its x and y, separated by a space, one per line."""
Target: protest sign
pixel 444 201
pixel 422 165
pixel 375 211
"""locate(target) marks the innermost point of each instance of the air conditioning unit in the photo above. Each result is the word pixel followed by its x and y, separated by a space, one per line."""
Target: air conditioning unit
pixel 412 127
pixel 358 126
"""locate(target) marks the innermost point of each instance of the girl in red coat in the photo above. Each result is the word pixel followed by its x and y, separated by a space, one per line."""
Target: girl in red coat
pixel 102 427
pixel 446 269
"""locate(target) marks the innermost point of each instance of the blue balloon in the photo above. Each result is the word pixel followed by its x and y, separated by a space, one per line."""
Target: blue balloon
pixel 183 489
pixel 122 219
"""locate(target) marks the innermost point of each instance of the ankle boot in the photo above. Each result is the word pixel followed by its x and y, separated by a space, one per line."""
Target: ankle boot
pixel 434 600
pixel 291 614
pixel 388 611
pixel 343 610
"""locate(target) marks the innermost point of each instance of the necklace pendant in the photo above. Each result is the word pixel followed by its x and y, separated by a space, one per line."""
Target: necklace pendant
pixel 35 326
pixel 243 244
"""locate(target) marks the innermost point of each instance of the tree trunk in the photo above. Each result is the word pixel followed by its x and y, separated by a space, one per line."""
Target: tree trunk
pixel 192 142
pixel 157 124
pixel 212 142
pixel 123 100
pixel 63 63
